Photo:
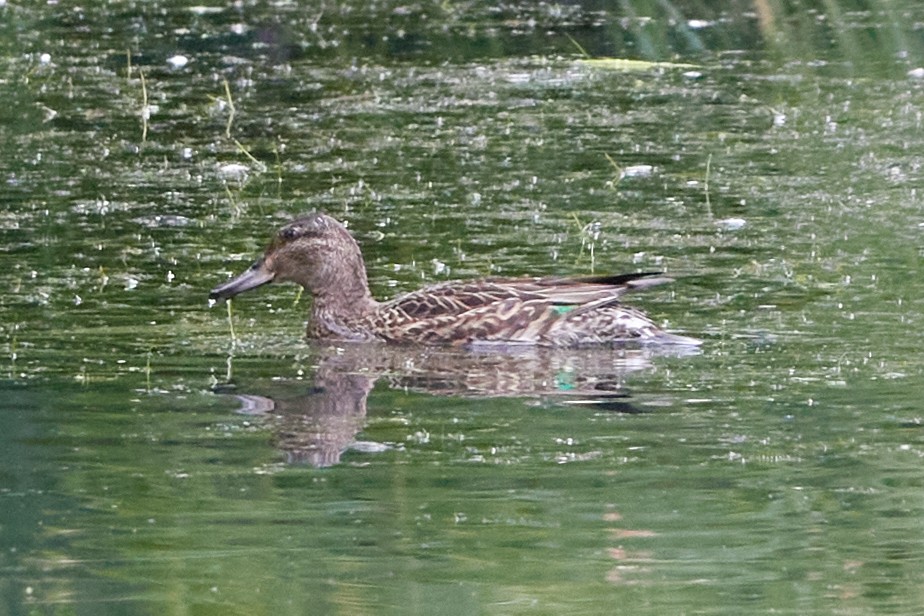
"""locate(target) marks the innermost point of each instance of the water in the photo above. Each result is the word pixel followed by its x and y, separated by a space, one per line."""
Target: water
pixel 769 162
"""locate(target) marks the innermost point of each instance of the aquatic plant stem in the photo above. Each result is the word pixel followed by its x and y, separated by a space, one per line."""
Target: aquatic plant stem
pixel 578 45
pixel 145 110
pixel 278 171
pixel 616 167
pixel 706 185
pixel 147 373
pixel 586 240
pixel 235 208
pixel 229 370
pixel 246 152
pixel 231 326
pixel 230 361
pixel 13 344
pixel 231 109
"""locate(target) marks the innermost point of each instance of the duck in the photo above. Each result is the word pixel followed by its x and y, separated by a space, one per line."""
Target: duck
pixel 317 252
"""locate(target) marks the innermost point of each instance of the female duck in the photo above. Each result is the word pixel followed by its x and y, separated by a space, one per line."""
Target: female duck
pixel 318 253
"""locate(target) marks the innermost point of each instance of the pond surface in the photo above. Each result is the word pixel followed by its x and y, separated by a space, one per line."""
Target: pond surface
pixel 768 159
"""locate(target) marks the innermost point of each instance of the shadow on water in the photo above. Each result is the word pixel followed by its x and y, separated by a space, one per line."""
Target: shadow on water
pixel 318 422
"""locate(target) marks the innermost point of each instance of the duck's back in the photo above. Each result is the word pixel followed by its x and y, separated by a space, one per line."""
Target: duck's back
pixel 537 311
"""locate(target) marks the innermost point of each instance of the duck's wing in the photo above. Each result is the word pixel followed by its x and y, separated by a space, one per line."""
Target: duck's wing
pixel 453 299
pixel 587 290
pixel 522 310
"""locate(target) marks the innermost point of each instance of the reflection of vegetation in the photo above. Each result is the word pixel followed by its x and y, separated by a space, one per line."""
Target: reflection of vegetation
pixel 653 30
pixel 650 30
pixel 862 30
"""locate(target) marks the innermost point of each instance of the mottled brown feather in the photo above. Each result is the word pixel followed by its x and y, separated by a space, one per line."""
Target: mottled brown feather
pixel 318 253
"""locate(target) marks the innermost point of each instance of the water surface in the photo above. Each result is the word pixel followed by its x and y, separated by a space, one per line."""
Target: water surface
pixel 769 161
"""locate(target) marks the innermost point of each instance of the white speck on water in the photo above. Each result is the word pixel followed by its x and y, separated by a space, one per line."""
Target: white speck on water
pixel 518 78
pixel 692 74
pixel 369 447
pixel 637 171
pixel 130 283
pixel 206 10
pixel 170 276
pixel 77 300
pixel 177 61
pixel 186 153
pixel 698 24
pixel 235 171
pixel 48 114
pixel 162 220
pixel 916 73
pixel 45 58
pixel 239 29
pixel 731 224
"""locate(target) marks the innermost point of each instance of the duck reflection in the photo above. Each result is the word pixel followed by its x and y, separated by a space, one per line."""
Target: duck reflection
pixel 315 426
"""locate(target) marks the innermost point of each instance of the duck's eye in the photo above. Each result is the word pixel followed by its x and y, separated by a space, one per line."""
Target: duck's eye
pixel 290 233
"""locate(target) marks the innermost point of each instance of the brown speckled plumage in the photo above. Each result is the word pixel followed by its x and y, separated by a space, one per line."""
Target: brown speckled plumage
pixel 318 253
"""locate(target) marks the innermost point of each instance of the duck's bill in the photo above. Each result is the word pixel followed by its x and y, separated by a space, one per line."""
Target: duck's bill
pixel 257 275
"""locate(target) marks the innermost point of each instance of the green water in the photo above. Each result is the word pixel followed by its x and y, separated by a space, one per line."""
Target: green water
pixel 770 163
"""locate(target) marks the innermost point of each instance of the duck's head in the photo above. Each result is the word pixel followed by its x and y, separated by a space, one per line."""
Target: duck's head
pixel 314 251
